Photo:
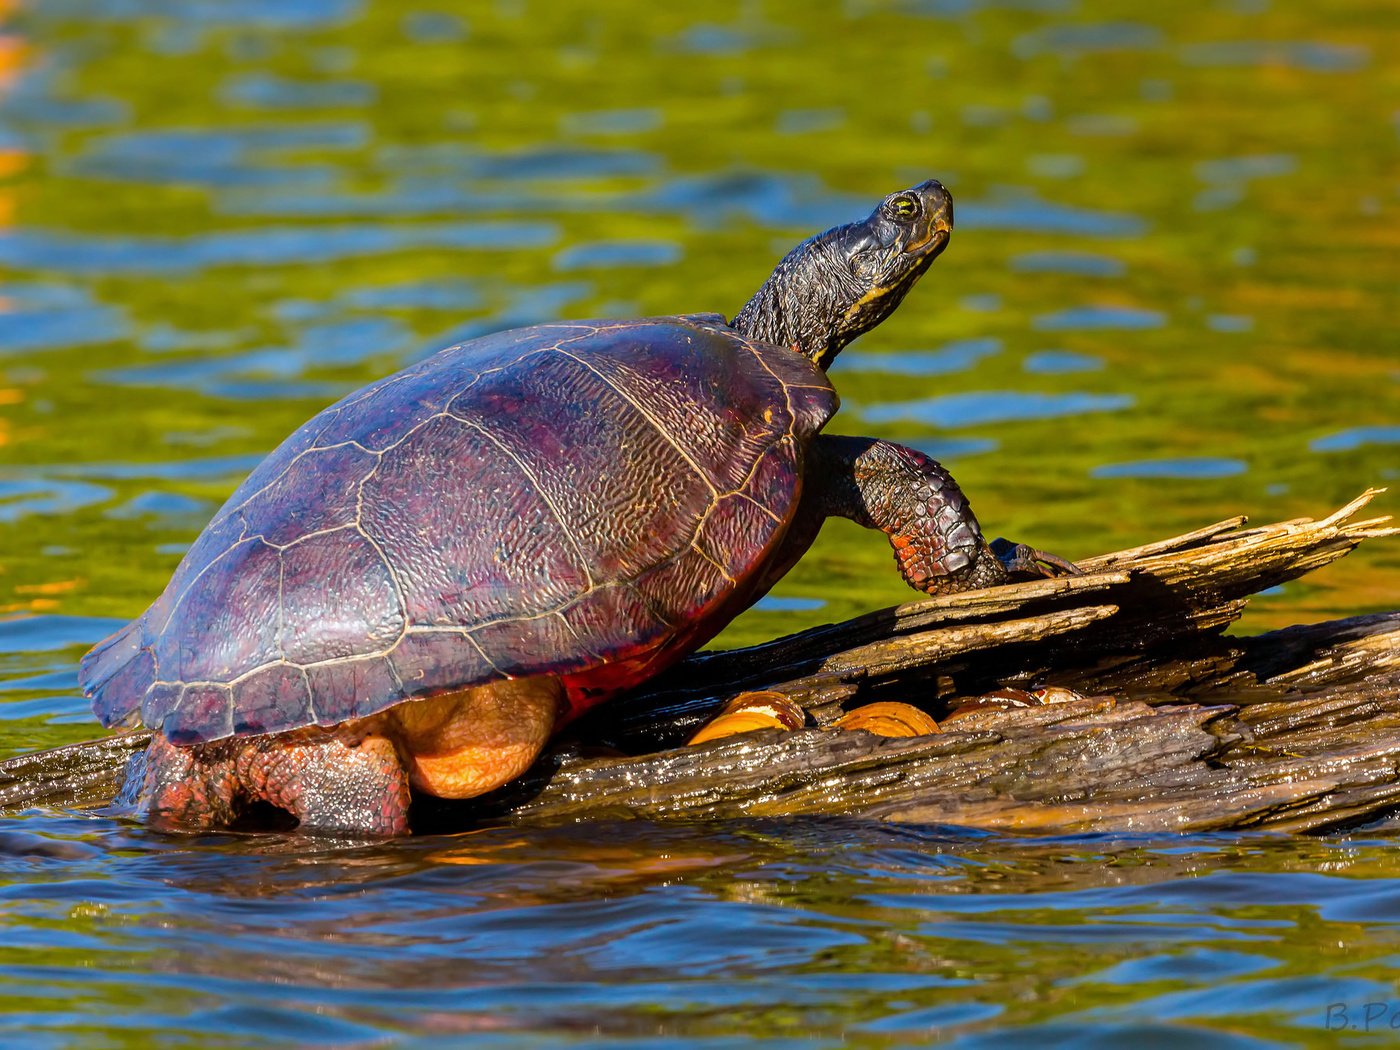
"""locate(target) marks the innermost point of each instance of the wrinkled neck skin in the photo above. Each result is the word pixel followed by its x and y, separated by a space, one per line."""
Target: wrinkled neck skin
pixel 805 300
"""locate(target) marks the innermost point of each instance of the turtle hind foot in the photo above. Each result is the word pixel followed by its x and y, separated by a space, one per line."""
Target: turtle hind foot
pixel 189 789
pixel 327 783
pixel 332 783
pixel 1024 562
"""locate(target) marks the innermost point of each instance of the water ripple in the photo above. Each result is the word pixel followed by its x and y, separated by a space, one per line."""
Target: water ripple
pixel 24 497
pixel 957 356
pixel 1178 467
pixel 266 246
pixel 1356 437
pixel 268 13
pixel 1057 362
pixel 45 317
pixel 994 406
pixel 1099 317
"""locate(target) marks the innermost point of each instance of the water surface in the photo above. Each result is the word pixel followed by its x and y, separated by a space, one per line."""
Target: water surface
pixel 1172 296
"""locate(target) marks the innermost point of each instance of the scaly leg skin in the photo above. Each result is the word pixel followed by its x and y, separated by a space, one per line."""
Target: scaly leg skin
pixel 912 498
pixel 184 788
pixel 329 781
pixel 354 778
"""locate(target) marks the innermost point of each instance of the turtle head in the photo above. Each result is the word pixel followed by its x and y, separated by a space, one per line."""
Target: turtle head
pixel 841 283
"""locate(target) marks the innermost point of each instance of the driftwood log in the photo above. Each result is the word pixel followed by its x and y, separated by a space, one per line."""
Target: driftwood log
pixel 1178 727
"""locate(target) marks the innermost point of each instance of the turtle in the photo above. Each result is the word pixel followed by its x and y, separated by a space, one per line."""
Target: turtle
pixel 427 580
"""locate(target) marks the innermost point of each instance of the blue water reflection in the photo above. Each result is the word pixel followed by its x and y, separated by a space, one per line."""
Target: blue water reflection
pixel 45 316
pixel 957 356
pixel 1029 213
pixel 276 14
pixel 1085 263
pixel 227 158
pixel 1356 437
pixel 608 254
pixel 994 406
pixel 1305 55
pixel 1178 467
pixel 265 91
pixel 291 244
pixel 1053 362
pixel 1103 317
pixel 23 497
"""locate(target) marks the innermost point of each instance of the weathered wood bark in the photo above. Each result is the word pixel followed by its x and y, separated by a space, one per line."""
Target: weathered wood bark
pixel 1181 728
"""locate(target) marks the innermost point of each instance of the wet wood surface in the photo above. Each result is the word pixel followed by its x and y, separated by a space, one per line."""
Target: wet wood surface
pixel 1178 726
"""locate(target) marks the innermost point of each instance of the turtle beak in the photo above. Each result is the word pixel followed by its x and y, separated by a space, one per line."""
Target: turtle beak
pixel 938 220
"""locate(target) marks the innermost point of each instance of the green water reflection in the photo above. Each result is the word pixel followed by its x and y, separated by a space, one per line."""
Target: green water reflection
pixel 1173 295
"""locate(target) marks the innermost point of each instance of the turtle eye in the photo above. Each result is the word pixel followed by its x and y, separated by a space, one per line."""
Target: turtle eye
pixel 903 207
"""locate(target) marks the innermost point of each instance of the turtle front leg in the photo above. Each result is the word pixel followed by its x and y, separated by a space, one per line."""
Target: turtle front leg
pixel 912 498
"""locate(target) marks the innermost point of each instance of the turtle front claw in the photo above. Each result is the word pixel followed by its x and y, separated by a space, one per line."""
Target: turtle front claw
pixel 1020 560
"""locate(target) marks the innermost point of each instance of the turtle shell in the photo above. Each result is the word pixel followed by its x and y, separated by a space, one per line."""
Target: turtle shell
pixel 587 499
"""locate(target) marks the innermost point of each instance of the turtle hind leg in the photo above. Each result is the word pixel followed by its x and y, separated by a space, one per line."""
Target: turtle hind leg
pixel 330 782
pixel 327 782
pixel 176 788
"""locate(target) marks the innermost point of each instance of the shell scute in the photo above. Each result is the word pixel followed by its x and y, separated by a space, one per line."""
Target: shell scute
pixel 619 487
pixel 689 572
pixel 426 662
pixel 338 599
pixel 726 531
pixel 271 697
pixel 204 712
pixel 216 541
pixel 160 700
pixel 516 646
pixel 125 685
pixel 775 476
pixel 742 409
pixel 463 542
pixel 608 618
pixel 235 603
pixel 318 491
pixel 418 392
pixel 350 688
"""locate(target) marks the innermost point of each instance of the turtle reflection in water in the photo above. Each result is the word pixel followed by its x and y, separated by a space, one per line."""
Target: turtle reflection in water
pixel 428 579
